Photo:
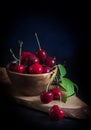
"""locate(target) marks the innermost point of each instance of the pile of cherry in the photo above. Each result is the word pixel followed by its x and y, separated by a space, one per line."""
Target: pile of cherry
pixel 38 63
pixel 49 95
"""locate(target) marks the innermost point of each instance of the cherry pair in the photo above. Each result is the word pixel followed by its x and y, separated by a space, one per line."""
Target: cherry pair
pixel 48 96
pixel 56 113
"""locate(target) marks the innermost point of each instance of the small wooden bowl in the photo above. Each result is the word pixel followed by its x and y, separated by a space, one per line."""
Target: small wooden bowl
pixel 30 84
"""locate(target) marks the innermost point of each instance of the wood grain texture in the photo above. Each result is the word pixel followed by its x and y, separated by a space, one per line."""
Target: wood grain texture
pixel 73 108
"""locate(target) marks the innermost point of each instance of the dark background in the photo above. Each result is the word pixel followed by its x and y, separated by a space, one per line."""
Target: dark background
pixel 62 28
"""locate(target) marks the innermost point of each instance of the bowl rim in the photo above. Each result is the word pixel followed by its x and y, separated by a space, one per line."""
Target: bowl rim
pixel 25 74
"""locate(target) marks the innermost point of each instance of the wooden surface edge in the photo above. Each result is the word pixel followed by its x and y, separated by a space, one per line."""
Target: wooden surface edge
pixel 79 112
pixel 74 108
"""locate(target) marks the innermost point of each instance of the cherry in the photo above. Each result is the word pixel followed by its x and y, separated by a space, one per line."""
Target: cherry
pixel 33 59
pixel 50 61
pixel 56 93
pixel 46 69
pixel 46 97
pixel 19 68
pixel 56 113
pixel 41 54
pixel 35 68
pixel 12 65
pixel 25 57
pixel 30 59
pixel 25 60
pixel 24 54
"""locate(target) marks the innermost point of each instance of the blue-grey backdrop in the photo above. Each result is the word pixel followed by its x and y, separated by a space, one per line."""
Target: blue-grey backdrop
pixel 62 29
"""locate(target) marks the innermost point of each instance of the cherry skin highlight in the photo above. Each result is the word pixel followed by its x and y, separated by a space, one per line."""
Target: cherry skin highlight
pixel 56 93
pixel 46 69
pixel 46 97
pixel 35 68
pixel 19 68
pixel 56 113
pixel 50 61
pixel 41 54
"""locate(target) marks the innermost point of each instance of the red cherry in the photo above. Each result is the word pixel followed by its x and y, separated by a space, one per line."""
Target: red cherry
pixel 46 97
pixel 25 54
pixel 12 65
pixel 30 59
pixel 41 54
pixel 56 113
pixel 46 69
pixel 50 61
pixel 35 68
pixel 33 59
pixel 19 68
pixel 56 93
pixel 25 60
pixel 25 57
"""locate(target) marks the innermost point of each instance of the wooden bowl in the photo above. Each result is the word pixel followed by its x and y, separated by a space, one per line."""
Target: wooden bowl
pixel 30 84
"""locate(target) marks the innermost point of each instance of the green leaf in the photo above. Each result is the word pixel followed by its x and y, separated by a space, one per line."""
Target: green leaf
pixel 62 70
pixel 65 83
pixel 62 85
pixel 64 96
pixel 68 86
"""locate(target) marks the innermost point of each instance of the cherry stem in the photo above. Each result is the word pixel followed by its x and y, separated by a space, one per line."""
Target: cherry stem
pixel 53 67
pixel 47 87
pixel 38 41
pixel 20 50
pixel 13 55
pixel 56 77
pixel 52 77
